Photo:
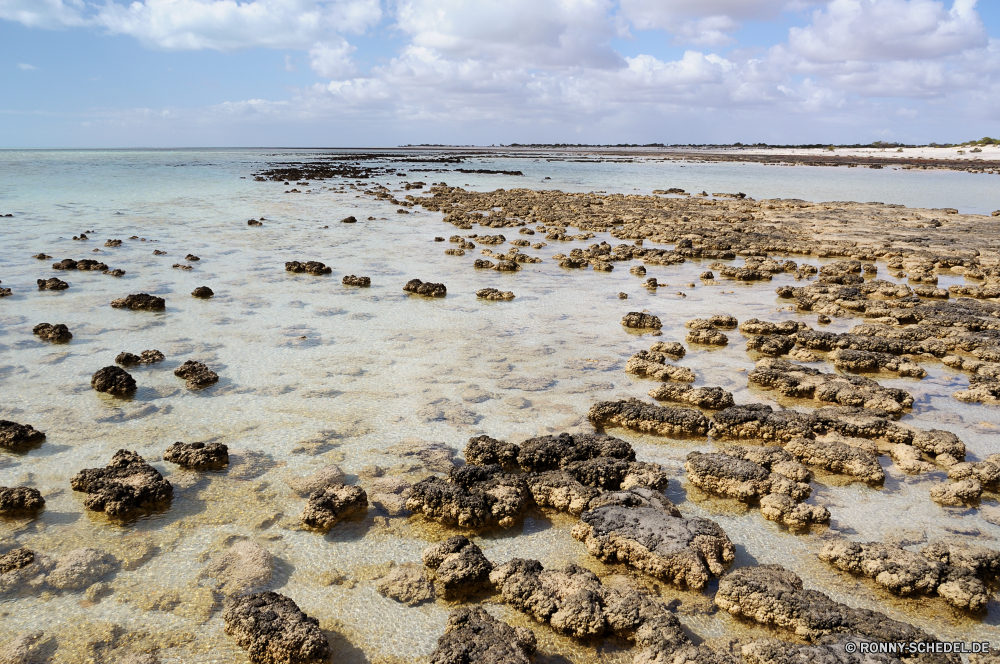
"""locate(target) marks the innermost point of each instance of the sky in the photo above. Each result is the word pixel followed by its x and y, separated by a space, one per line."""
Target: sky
pixel 383 73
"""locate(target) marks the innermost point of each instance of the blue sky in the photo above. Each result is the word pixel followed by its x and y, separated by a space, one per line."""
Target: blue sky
pixel 76 73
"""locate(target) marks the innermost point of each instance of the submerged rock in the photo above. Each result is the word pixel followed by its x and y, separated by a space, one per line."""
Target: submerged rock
pixel 126 484
pixel 113 380
pixel 649 418
pixel 81 568
pixel 352 280
pixel 198 456
pixel 332 504
pixel 458 567
pixel 406 584
pixel 246 567
pixel 273 630
pixel 58 333
pixel 418 287
pixel 14 436
pixel 20 500
pixel 685 552
pixel 475 637
pixel 140 301
pixel 196 374
pixel 307 485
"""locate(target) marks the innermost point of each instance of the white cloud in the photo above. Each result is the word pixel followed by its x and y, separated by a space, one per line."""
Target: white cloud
pixel 23 66
pixel 50 14
pixel 332 60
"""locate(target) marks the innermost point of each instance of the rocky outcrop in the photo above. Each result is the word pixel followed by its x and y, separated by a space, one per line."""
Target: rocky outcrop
pixel 418 287
pixel 311 267
pixel 717 322
pixel 494 294
pixel 198 456
pixel 196 374
pixel 710 337
pixel 14 436
pixel 113 380
pixel 58 333
pixel 649 418
pixel 957 494
pixel 774 596
pixel 685 552
pixel 332 504
pixel 838 457
pixel 982 389
pixel 772 346
pixel 846 359
pixel 127 359
pixel 458 568
pixel 651 364
pixel 125 485
pixel 353 280
pixel 711 398
pixel 475 637
pixel 140 302
pixel 793 380
pixel 204 292
pixel 640 321
pixel 755 326
pixel 672 349
pixel 552 452
pixel 485 451
pixel 53 284
pixel 472 497
pixel 20 500
pixel 906 573
pixel 273 630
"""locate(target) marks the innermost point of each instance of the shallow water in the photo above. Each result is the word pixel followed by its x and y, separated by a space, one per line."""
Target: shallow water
pixel 314 373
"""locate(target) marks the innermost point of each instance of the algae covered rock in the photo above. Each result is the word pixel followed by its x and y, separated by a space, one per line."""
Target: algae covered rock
pixel 475 637
pixel 273 630
pixel 126 484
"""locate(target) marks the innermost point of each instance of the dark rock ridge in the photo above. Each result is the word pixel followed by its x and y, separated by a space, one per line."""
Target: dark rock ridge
pixel 472 497
pixel 14 436
pixel 198 456
pixel 126 484
pixel 146 357
pixel 273 630
pixel 58 333
pixel 418 287
pixel 196 374
pixel 352 280
pixel 20 500
pixel 310 267
pixel 113 380
pixel 475 637
pixel 140 302
pixel 649 418
pixel 332 504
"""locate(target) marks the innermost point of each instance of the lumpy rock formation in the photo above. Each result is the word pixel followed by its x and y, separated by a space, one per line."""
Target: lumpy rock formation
pixel 273 630
pixel 126 484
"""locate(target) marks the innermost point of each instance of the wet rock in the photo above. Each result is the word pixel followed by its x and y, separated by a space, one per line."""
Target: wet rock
pixel 830 649
pixel 755 326
pixel 245 567
pixel 772 595
pixel 672 349
pixel 352 280
pixel 140 301
pixel 621 296
pixel 196 374
pixel 838 457
pixel 561 491
pixel 685 552
pixel 458 567
pixel 761 422
pixel 710 337
pixel 738 478
pixel 113 380
pixel 982 389
pixel 864 360
pixel 311 267
pixel 322 478
pixel 23 649
pixel 332 504
pixel 774 459
pixel 64 264
pixel 6 292
pixel 418 287
pixel 551 452
pixel 389 494
pixel 986 472
pixel 20 500
pixel 406 584
pixel 349 220
pixel 640 321
pixel 957 494
pixel 473 636
pixel 713 398
pixel 80 569
pixel 146 357
pixel 649 418
pixel 909 460
pixel 485 451
pixel 14 436
pixel 52 284
pixel 198 456
pixel 16 559
pixel 715 322
pixel 773 346
pixel 783 509
pixel 115 273
pixel 614 474
pixel 980 560
pixel 651 364
pixel 273 630
pixel 202 292
pixel 482 264
pixel 472 497
pixel 253 222
pixel 905 573
pixel 58 333
pixel 126 484
pixel 494 294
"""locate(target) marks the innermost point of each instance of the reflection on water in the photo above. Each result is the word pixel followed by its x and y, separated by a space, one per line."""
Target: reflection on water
pixel 315 373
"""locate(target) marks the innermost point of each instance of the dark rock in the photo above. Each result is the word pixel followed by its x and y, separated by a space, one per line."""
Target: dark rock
pixel 494 294
pixel 351 280
pixel 761 422
pixel 64 264
pixel 651 364
pixel 312 267
pixel 421 288
pixel 58 333
pixel 475 637
pixel 472 497
pixel 147 357
pixel 459 567
pixel 113 380
pixel 140 301
pixel 349 220
pixel 52 284
pixel 196 374
pixel 641 321
pixel 16 559
pixel 14 436
pixel 203 292
pixel 126 484
pixel 485 451
pixel 838 457
pixel 649 418
pixel 334 503
pixel 21 499
pixel 712 398
pixel 551 452
pixel 710 337
pixel 191 257
pixel 199 456
pixel 273 630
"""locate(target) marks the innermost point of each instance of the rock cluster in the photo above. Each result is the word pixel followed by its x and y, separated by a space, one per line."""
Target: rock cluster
pixel 20 500
pixel 649 418
pixel 640 321
pixel 653 364
pixel 127 359
pixel 196 374
pixel 475 637
pixel 494 294
pixel 418 287
pixel 458 568
pixel 52 284
pixel 310 267
pixel 58 333
pixel 711 398
pixel 472 497
pixel 140 301
pixel 352 280
pixel 125 485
